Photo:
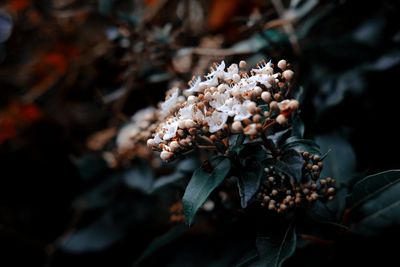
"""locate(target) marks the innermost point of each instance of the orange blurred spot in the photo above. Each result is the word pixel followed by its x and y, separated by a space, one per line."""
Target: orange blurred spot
pixel 150 2
pixel 15 117
pixel 30 112
pixel 18 5
pixel 56 61
pixel 221 13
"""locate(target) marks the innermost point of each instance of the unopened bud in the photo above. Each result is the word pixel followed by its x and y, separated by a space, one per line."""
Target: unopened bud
pixel 266 96
pixel 288 75
pixel 281 119
pixel 166 155
pixel 282 64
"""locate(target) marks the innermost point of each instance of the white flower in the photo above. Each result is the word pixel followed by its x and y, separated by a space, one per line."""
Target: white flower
pixel 194 85
pixel 186 112
pixel 228 106
pixel 242 111
pixel 209 82
pixel 244 86
pixel 218 99
pixel 264 68
pixel 218 72
pixel 170 104
pixel 216 121
pixel 198 116
pixel 261 78
pixel 233 69
pixel 170 129
pixel 157 139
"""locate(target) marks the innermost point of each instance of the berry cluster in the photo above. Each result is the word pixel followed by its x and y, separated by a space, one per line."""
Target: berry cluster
pixel 278 192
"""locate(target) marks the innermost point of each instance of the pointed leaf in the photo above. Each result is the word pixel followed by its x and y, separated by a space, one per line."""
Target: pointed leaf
pixel 301 145
pixel 340 163
pixel 378 213
pixel 291 163
pixel 274 252
pixel 373 185
pixel 201 185
pixel 160 242
pixel 249 182
pixel 140 177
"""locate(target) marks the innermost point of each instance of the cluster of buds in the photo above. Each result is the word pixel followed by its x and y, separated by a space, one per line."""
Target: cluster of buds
pixel 228 101
pixel 278 192
pixel 138 130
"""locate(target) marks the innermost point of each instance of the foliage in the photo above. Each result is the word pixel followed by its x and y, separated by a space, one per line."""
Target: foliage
pixel 80 86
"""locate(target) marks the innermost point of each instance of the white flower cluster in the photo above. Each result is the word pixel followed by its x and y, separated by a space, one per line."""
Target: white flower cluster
pixel 138 130
pixel 227 101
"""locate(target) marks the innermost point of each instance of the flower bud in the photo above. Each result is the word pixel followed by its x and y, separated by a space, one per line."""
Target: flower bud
pixel 165 155
pixel 237 126
pixel 242 64
pixel 236 77
pixel 288 75
pixel 281 119
pixel 266 96
pixel 174 145
pixel 282 64
pixel 151 143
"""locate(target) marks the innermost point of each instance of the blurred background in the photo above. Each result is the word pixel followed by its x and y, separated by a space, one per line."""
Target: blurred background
pixel 72 73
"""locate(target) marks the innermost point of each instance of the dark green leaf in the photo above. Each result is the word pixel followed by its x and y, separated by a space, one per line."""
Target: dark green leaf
pixel 166 180
pixel 96 237
pixel 100 195
pixel 301 145
pixel 236 140
pixel 91 166
pixel 254 152
pixel 340 163
pixel 187 165
pixel 201 185
pixel 273 252
pixel 297 127
pixel 249 182
pixel 280 136
pixel 378 213
pixel 373 185
pixel 291 163
pixel 160 242
pixel 140 177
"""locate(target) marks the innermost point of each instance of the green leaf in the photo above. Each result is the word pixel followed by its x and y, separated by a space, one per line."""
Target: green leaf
pixel 291 163
pixel 379 213
pixel 166 180
pixel 201 185
pixel 279 137
pixel 160 242
pixel 340 163
pixel 297 127
pixel 187 165
pixel 273 252
pixel 236 140
pixel 373 185
pixel 254 152
pixel 91 166
pixel 140 177
pixel 249 182
pixel 301 145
